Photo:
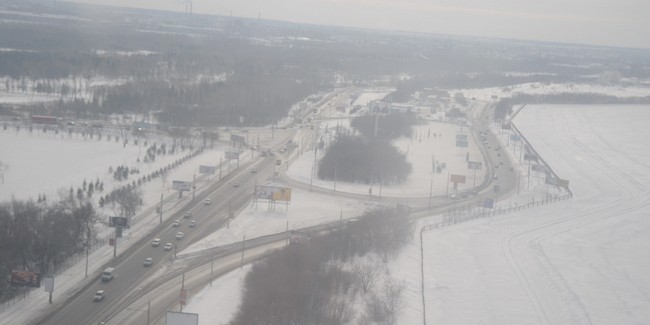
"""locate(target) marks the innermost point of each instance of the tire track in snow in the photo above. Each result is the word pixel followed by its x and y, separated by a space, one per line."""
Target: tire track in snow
pixel 552 297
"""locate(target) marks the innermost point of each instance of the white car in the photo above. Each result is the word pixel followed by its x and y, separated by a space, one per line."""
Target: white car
pixel 99 295
pixel 180 235
pixel 192 224
pixel 207 202
pixel 148 261
pixel 176 223
pixel 187 214
pixel 155 242
pixel 168 246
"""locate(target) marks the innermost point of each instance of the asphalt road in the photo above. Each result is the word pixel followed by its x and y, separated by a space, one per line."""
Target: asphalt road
pixel 130 272
pixel 81 309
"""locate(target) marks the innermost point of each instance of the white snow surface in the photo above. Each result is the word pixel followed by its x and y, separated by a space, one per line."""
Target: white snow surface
pixel 575 261
pixel 578 261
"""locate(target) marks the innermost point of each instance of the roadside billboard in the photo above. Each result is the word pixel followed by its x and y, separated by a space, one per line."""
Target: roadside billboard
pixel 207 170
pixel 25 278
pixel 273 193
pixel 232 155
pixel 557 181
pixel 457 179
pixel 515 137
pixel 530 156
pixel 461 137
pixel 537 168
pixel 477 165
pixel 181 185
pixel 176 318
pixel 237 138
pixel 551 180
pixel 462 144
pixel 488 203
pixel 119 222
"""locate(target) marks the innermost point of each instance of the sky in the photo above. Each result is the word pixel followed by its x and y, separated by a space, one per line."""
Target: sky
pixel 598 22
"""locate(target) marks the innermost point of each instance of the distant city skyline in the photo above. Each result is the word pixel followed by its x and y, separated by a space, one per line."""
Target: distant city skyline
pixel 621 23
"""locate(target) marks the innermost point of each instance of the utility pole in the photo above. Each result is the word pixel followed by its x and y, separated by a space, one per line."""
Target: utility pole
pixel 161 206
pixel 182 290
pixel 243 248
pixel 115 243
pixel 220 161
pixel 212 268
pixel 193 186
pixel 87 248
pixel 148 310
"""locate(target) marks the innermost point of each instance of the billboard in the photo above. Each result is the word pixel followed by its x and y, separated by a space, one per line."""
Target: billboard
pixel 563 182
pixel 207 170
pixel 462 144
pixel 461 137
pixel 237 138
pixel 530 156
pixel 25 278
pixel 515 137
pixel 457 179
pixel 477 165
pixel 488 203
pixel 273 193
pixel 119 222
pixel 232 155
pixel 181 185
pixel 537 168
pixel 551 180
pixel 48 284
pixel 176 318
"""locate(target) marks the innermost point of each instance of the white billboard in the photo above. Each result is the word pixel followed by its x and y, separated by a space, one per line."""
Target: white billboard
pixel 207 169
pixel 181 185
pixel 176 318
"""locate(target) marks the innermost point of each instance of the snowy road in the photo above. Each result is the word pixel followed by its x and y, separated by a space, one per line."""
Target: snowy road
pixel 581 261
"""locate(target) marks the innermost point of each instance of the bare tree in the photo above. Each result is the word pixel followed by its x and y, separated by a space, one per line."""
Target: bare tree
pixel 382 306
pixel 125 202
pixel 365 274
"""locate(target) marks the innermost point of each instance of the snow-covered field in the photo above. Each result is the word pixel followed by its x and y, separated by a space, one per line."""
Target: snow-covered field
pixel 577 261
pixel 573 261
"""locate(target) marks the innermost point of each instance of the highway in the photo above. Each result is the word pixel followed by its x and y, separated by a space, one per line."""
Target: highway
pixel 130 272
pixel 125 293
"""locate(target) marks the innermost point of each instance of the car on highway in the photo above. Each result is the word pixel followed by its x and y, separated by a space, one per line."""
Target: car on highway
pixel 253 170
pixel 206 202
pixel 453 196
pixel 235 184
pixel 495 176
pixel 512 168
pixel 155 242
pixel 192 224
pixel 187 214
pixel 180 235
pixel 99 295
pixel 176 223
pixel 148 262
pixel 168 246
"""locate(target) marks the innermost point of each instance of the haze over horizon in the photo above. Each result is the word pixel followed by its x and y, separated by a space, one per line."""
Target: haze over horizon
pixel 593 22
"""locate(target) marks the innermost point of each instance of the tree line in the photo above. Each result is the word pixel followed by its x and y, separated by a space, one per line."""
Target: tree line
pixel 330 278
pixel 369 159
pixel 39 236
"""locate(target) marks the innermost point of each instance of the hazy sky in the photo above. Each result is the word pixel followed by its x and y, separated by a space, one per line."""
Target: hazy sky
pixel 601 22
